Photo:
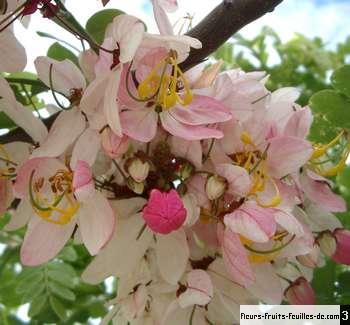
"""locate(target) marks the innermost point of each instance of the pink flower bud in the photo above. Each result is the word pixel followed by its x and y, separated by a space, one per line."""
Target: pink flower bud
pixel 300 292
pixel 113 145
pixel 327 242
pixel 138 169
pixel 215 187
pixel 342 253
pixel 164 212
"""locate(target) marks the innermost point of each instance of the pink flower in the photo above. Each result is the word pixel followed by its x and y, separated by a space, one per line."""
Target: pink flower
pixel 56 210
pixel 164 212
pixel 235 257
pixel 342 253
pixel 253 222
pixel 186 118
pixel 199 289
pixel 300 292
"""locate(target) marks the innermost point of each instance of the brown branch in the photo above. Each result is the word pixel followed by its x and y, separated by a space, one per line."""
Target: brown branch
pixel 213 31
pixel 224 21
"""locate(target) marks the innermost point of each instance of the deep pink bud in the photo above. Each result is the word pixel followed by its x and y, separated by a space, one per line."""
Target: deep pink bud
pixel 342 253
pixel 164 212
pixel 300 292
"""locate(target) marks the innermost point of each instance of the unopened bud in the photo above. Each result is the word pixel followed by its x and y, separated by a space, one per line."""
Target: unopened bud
pixel 342 254
pixel 327 242
pixel 215 187
pixel 300 292
pixel 136 187
pixel 185 170
pixel 311 259
pixel 138 169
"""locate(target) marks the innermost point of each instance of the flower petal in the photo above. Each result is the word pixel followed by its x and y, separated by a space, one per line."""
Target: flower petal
pixel 108 261
pixel 188 132
pixel 287 154
pixel 236 259
pixel 202 110
pixel 86 148
pixel 140 125
pixel 96 222
pixel 237 178
pixel 44 240
pixel 13 56
pixel 172 255
pixel 64 131
pixel 65 74
pixel 253 222
pixel 199 289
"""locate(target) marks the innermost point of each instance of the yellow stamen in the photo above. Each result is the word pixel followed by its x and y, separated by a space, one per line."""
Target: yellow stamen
pixel 164 87
pixel 275 201
pixel 321 150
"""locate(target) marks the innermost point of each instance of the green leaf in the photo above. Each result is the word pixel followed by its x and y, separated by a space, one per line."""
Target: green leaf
pixel 97 24
pixel 61 291
pixel 37 305
pixel 60 53
pixel 63 268
pixel 322 131
pixel 341 80
pixel 61 278
pixel 30 283
pixel 343 179
pixel 47 35
pixel 68 254
pixel 4 220
pixel 58 308
pixel 334 107
pixel 5 122
pixel 32 294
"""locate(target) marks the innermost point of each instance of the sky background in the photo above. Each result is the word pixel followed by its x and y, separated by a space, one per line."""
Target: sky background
pixel 326 18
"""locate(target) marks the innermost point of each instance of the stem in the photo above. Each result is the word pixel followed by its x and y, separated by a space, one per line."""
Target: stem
pixel 120 170
pixel 209 151
pixel 192 315
pixel 30 100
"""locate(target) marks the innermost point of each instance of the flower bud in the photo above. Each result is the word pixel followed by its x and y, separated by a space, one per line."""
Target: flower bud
pixel 113 145
pixel 215 187
pixel 185 170
pixel 300 292
pixel 164 212
pixel 310 260
pixel 138 169
pixel 342 253
pixel 136 187
pixel 327 242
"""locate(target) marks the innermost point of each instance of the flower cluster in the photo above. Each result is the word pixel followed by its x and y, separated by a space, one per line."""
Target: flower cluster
pixel 198 189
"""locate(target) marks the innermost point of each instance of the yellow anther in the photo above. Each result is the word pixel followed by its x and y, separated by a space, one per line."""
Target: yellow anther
pixel 246 138
pixel 321 150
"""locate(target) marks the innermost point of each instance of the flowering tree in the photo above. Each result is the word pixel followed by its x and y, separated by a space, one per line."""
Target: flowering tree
pixel 191 183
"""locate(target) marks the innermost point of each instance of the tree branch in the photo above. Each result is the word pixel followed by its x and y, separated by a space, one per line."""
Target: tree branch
pixel 213 31
pixel 223 22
